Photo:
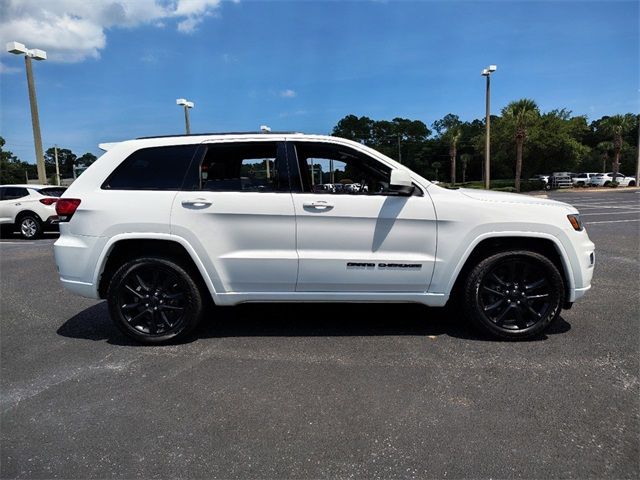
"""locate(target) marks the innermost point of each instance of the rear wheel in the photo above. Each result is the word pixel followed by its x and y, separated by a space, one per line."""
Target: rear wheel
pixel 514 295
pixel 30 227
pixel 632 183
pixel 154 300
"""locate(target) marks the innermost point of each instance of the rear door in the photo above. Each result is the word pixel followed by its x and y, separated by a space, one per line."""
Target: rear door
pixel 12 203
pixel 236 210
pixel 353 234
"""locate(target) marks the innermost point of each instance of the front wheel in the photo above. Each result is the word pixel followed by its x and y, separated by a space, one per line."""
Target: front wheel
pixel 514 295
pixel 154 300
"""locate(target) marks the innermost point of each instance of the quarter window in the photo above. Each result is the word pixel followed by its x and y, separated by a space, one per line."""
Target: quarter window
pixel 156 168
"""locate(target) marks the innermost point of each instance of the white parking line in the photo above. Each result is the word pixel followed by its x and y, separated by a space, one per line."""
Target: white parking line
pixel 613 221
pixel 609 213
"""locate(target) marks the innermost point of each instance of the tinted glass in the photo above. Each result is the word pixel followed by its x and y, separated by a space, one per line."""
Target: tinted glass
pixel 52 192
pixel 156 168
pixel 11 193
pixel 335 169
pixel 240 167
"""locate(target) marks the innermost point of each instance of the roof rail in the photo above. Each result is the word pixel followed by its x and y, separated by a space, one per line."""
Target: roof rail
pixel 217 133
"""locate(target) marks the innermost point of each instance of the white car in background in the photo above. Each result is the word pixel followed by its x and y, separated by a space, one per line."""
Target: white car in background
pixel 582 179
pixel 604 179
pixel 30 209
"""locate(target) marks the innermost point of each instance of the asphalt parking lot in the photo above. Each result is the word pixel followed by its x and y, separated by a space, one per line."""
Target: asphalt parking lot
pixel 317 391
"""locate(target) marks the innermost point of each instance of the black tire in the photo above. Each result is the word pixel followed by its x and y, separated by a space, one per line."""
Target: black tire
pixel 514 295
pixel 607 183
pixel 30 227
pixel 632 183
pixel 154 300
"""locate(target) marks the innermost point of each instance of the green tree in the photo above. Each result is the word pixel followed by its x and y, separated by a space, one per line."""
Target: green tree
pixel 86 159
pixel 616 127
pixel 465 158
pixel 436 166
pixel 449 129
pixel 12 169
pixel 66 161
pixel 354 128
pixel 520 116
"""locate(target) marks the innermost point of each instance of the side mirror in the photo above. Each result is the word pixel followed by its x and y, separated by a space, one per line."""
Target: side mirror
pixel 400 182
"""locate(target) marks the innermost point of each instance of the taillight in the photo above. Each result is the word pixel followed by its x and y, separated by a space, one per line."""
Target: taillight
pixel 48 201
pixel 66 207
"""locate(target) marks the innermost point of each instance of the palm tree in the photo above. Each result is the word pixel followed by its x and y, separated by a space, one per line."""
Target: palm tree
pixel 453 135
pixel 436 166
pixel 604 148
pixel 616 126
pixel 465 158
pixel 521 114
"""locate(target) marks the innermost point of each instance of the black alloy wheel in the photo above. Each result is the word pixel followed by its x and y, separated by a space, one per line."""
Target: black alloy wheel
pixel 514 295
pixel 154 300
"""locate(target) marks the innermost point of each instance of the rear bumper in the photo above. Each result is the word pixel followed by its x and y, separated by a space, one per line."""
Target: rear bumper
pixel 76 257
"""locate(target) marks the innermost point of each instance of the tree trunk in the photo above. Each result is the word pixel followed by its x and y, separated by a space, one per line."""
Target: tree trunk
pixel 464 171
pixel 604 163
pixel 519 143
pixel 616 164
pixel 452 153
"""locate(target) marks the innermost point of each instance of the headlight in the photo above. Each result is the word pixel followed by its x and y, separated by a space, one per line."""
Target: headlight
pixel 576 223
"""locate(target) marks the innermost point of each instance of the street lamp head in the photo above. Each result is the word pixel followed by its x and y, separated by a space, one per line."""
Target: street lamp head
pixel 485 72
pixel 37 54
pixel 181 101
pixel 17 48
pixel 265 129
pixel 189 104
pixel 493 68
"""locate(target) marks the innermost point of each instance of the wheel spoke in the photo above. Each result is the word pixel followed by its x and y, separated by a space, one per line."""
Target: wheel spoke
pixel 542 295
pixel 171 307
pixel 135 292
pixel 493 306
pixel 520 321
pixel 500 318
pixel 495 292
pixel 139 315
pixel 142 283
pixel 536 284
pixel 129 306
pixel 164 318
pixel 535 314
pixel 174 296
pixel 498 279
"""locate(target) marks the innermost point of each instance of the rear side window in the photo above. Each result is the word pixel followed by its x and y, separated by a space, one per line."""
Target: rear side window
pixel 156 168
pixel 52 192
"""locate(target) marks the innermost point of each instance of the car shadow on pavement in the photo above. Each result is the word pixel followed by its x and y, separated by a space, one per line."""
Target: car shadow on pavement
pixel 305 319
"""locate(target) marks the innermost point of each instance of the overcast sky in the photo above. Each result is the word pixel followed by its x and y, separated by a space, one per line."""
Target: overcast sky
pixel 116 67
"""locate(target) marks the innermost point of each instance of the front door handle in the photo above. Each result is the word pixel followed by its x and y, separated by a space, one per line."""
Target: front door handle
pixel 318 205
pixel 196 203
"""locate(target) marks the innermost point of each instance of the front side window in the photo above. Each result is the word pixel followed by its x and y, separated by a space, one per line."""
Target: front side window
pixel 240 167
pixel 155 168
pixel 334 169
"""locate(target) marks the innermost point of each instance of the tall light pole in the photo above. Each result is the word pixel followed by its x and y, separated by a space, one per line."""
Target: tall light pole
pixel 187 105
pixel 487 141
pixel 20 49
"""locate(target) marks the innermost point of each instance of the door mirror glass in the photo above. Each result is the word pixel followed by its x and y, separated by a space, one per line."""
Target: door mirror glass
pixel 400 182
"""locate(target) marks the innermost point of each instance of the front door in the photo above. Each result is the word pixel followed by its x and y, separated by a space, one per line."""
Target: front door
pixel 236 210
pixel 353 234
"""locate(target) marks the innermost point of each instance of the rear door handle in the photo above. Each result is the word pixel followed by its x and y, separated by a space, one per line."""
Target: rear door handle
pixel 197 203
pixel 318 205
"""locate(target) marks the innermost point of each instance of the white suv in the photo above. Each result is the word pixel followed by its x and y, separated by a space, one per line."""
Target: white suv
pixel 159 226
pixel 605 179
pixel 29 209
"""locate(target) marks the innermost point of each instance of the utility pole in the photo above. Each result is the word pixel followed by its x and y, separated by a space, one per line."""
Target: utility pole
pixel 487 141
pixel 638 161
pixel 55 149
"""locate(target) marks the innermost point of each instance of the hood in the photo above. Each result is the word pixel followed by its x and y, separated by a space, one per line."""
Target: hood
pixel 505 197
